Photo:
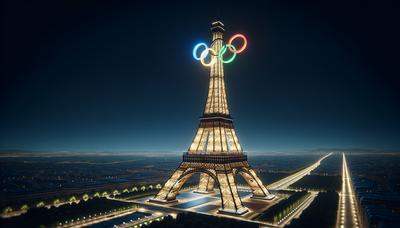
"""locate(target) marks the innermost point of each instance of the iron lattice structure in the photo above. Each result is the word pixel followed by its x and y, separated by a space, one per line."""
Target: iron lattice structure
pixel 215 152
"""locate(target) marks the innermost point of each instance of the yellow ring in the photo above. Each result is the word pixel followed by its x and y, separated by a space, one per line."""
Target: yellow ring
pixel 204 54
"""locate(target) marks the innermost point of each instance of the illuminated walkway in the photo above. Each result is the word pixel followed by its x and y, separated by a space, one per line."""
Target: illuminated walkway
pixel 348 213
pixel 287 181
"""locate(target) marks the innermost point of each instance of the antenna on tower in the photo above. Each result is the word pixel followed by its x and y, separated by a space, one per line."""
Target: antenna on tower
pixel 218 13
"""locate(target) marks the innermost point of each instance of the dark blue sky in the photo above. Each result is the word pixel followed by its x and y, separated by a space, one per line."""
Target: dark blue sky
pixel 115 75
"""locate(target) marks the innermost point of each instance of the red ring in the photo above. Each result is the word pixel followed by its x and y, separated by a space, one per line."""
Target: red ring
pixel 244 43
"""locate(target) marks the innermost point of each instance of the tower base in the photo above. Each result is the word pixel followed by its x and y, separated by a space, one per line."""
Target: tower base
pixel 267 197
pixel 162 201
pixel 219 169
pixel 203 192
pixel 240 211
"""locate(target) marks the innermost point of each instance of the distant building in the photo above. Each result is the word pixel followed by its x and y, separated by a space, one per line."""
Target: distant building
pixel 379 209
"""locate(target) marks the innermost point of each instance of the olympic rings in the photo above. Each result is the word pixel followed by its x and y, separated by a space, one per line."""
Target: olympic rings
pixel 244 43
pixel 204 54
pixel 223 50
pixel 213 53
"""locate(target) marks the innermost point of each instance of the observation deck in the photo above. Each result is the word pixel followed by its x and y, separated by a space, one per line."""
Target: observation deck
pixel 214 158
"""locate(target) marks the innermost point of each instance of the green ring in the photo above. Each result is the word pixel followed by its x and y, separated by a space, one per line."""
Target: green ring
pixel 222 52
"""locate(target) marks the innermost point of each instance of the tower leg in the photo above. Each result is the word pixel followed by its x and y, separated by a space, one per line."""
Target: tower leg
pixel 171 188
pixel 206 184
pixel 258 189
pixel 231 202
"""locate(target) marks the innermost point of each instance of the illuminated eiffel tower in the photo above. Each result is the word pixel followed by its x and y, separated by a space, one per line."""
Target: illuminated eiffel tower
pixel 215 152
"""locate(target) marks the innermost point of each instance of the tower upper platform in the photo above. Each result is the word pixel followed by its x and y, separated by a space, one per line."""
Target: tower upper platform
pixel 217 26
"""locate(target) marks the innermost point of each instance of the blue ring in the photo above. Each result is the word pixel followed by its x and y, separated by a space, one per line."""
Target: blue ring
pixel 197 47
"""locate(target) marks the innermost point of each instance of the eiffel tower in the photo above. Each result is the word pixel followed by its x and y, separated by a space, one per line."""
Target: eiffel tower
pixel 215 151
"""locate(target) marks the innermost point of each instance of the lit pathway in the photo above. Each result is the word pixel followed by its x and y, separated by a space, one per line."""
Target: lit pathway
pixel 299 210
pixel 348 213
pixel 287 181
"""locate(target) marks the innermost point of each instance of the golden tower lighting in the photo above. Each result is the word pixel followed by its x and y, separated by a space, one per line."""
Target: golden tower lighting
pixel 215 151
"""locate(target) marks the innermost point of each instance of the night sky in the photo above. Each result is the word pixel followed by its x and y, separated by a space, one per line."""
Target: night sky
pixel 119 75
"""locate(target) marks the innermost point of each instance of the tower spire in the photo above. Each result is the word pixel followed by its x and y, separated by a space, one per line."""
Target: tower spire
pixel 216 104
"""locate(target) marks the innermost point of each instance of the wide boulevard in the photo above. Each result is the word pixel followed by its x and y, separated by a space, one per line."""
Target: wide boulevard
pixel 348 213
